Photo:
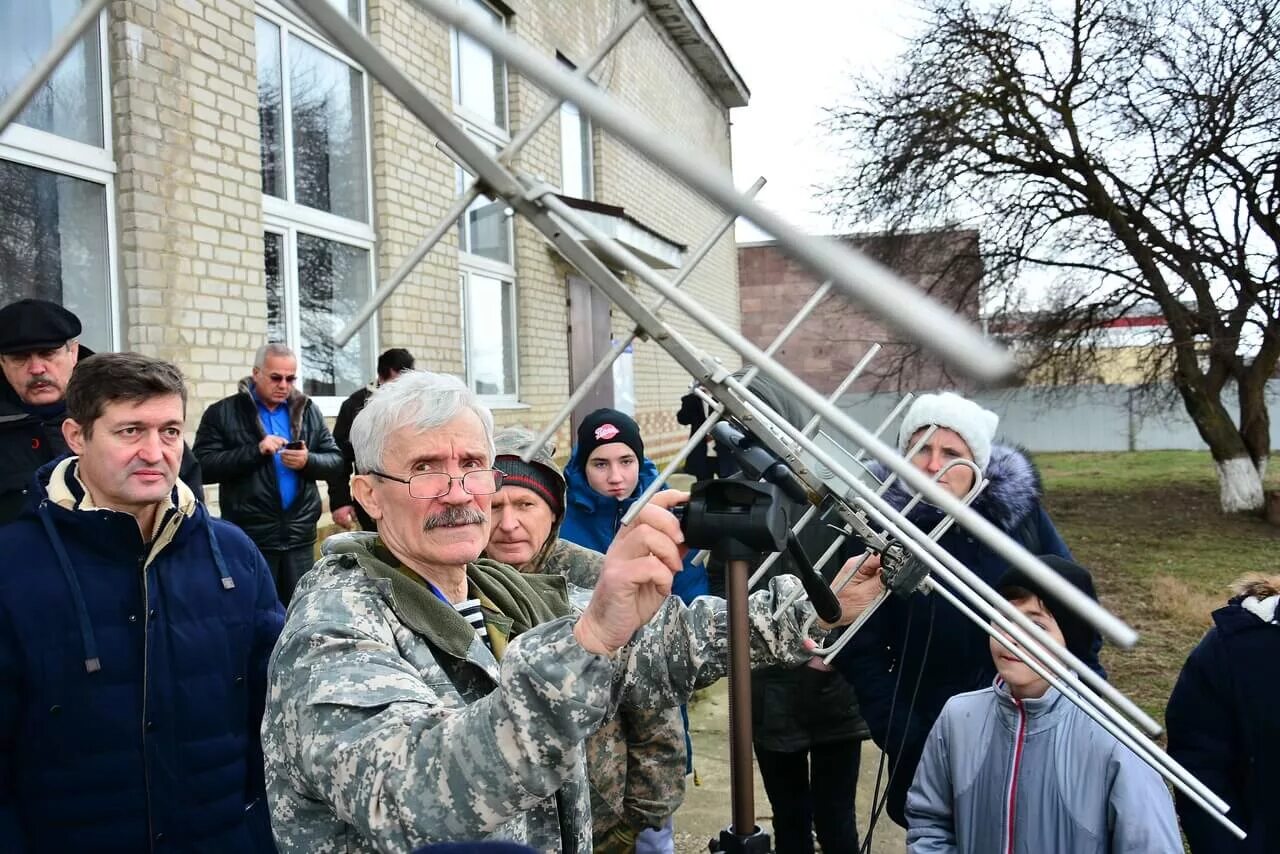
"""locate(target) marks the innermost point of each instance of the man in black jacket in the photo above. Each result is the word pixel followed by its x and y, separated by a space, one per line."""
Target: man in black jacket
pixel 346 511
pixel 267 445
pixel 38 352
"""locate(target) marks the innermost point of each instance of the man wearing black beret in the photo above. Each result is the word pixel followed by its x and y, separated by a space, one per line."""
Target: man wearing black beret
pixel 38 352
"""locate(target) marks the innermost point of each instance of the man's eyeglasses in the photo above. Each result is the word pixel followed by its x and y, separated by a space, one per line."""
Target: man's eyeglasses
pixel 433 484
pixel 283 378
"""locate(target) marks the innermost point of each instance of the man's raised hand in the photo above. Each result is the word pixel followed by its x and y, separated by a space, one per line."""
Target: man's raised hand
pixel 636 577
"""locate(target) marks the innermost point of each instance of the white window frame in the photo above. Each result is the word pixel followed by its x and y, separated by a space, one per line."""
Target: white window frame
pixel 289 287
pixel 467 262
pixel 27 146
pixel 477 124
pixel 289 218
pixel 588 150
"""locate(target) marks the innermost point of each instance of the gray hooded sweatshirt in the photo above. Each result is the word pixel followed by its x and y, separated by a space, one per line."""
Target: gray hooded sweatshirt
pixel 1033 777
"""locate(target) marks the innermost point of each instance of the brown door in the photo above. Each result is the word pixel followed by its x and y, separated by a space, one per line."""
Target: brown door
pixel 590 338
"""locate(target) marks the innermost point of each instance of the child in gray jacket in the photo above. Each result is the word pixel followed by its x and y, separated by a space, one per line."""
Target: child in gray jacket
pixel 1018 769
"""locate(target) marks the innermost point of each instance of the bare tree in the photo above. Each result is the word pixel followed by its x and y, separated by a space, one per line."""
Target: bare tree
pixel 1131 148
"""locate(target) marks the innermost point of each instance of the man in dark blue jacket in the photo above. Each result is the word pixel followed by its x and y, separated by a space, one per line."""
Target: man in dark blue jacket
pixel 134 640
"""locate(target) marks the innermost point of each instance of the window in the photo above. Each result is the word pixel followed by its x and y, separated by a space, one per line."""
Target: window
pixel 489 329
pixel 575 150
pixel 486 256
pixel 338 279
pixel 56 173
pixel 318 239
pixel 480 77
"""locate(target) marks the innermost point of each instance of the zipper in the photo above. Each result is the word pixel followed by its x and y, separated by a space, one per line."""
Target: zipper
pixel 146 663
pixel 1011 799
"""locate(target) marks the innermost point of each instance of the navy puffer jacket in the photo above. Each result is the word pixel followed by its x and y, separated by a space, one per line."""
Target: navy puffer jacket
pixel 132 678
pixel 1224 726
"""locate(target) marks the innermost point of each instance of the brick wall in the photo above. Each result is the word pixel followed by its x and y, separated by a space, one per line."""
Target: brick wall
pixel 189 200
pixel 825 347
pixel 184 99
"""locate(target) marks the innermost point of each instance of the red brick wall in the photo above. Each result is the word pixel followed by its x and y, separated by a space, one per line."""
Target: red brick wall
pixel 825 348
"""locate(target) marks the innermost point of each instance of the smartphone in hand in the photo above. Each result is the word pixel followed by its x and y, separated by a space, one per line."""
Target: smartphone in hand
pixel 296 445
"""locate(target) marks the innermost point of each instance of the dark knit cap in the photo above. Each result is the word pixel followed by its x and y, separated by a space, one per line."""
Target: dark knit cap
pixel 605 427
pixel 533 476
pixel 1078 634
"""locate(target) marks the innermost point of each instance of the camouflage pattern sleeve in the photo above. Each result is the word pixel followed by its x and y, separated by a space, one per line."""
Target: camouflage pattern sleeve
pixel 656 759
pixel 684 648
pixel 354 724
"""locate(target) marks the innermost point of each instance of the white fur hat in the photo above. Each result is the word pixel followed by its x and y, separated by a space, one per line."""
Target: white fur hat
pixel 977 426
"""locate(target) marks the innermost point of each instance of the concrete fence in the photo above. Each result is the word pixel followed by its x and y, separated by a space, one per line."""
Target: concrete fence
pixel 1081 418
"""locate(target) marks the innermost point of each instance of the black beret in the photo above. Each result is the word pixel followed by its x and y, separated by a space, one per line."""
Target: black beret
pixel 35 324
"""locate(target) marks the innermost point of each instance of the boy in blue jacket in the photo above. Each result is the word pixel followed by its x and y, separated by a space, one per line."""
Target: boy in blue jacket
pixel 1018 768
pixel 134 639
pixel 607 472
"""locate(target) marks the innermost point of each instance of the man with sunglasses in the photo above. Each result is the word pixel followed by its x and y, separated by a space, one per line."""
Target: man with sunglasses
pixel 267 445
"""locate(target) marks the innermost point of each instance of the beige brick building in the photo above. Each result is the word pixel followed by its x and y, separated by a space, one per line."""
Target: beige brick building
pixel 202 175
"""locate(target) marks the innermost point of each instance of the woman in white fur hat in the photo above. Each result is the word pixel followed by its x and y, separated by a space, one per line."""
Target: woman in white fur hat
pixel 914 654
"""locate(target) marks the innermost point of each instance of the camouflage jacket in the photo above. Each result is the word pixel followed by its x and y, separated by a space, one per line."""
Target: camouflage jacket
pixel 390 725
pixel 636 760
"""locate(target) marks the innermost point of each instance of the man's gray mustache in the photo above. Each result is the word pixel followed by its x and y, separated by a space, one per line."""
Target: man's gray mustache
pixel 455 516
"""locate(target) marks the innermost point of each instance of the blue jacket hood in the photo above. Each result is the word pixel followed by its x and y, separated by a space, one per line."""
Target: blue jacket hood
pixel 588 500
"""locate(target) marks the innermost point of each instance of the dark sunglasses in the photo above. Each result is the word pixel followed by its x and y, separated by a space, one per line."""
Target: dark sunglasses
pixel 282 378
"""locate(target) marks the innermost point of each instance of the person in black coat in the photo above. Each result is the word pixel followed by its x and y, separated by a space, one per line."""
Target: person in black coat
pixel 1224 726
pixel 39 353
pixel 703 461
pixel 914 654
pixel 346 511
pixel 267 445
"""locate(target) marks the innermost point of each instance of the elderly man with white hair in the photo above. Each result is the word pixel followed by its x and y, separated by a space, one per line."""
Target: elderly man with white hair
pixel 420 693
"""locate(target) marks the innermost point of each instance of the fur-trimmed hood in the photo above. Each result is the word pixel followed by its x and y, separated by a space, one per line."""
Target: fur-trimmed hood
pixel 1013 492
pixel 1260 596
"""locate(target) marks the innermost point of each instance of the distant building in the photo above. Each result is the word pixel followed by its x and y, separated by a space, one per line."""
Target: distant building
pixel 945 264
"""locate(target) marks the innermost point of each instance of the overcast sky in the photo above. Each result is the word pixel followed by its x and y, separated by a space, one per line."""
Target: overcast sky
pixel 797 58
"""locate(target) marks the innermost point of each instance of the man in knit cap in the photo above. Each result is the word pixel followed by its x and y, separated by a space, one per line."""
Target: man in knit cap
pixel 636 760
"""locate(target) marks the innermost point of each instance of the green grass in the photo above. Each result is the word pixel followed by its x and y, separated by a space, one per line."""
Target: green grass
pixel 1162 554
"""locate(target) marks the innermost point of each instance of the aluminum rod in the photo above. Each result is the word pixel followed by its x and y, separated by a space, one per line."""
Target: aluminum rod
pixel 1110 626
pixel 472 192
pixel 888 419
pixel 890 298
pixel 1090 704
pixel 941 562
pixel 42 70
pixel 787 331
pixel 424 247
pixel 845 383
pixel 809 428
pixel 934 556
pixel 589 382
